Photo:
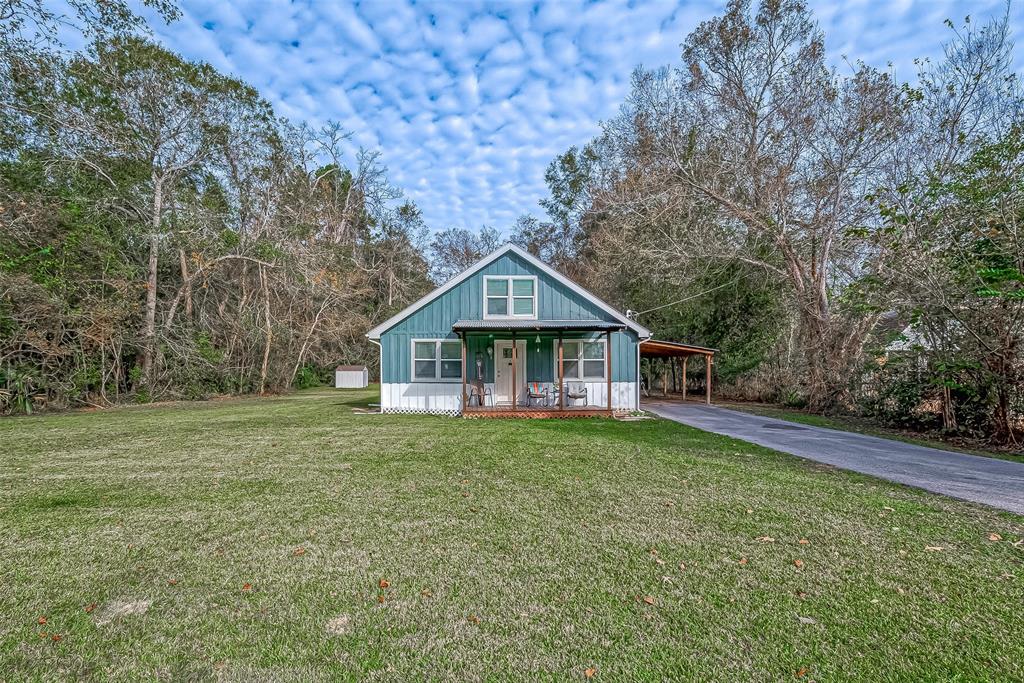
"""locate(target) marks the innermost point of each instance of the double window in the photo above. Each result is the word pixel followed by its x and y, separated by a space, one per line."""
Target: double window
pixel 510 296
pixel 436 360
pixel 582 359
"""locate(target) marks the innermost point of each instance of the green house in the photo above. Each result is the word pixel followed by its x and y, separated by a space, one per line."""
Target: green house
pixel 490 341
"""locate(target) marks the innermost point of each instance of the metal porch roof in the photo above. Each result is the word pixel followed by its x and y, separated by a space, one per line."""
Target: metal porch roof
pixel 535 325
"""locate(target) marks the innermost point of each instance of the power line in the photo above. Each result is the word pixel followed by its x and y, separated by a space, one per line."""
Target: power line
pixel 635 314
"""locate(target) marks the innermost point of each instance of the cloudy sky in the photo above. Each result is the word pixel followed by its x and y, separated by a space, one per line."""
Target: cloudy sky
pixel 469 101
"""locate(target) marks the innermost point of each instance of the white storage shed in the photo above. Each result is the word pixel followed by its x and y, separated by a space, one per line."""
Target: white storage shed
pixel 351 377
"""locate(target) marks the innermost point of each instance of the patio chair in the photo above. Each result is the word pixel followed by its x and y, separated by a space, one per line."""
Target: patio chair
pixel 576 391
pixel 481 392
pixel 536 391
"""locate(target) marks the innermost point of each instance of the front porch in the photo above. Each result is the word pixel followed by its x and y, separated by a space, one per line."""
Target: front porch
pixel 542 369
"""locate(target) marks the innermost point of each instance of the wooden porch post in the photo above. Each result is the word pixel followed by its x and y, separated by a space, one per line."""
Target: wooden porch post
pixel 465 402
pixel 707 375
pixel 561 374
pixel 664 378
pixel 515 362
pixel 685 358
pixel 608 360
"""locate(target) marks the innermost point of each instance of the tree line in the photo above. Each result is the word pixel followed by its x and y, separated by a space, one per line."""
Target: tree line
pixel 849 241
pixel 163 234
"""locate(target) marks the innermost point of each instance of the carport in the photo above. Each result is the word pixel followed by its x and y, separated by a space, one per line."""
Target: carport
pixel 666 350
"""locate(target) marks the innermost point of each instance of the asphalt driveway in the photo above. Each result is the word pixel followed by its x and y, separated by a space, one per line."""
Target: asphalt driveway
pixel 998 483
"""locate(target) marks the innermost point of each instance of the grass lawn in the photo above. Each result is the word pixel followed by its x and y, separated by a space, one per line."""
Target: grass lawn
pixel 290 539
pixel 851 423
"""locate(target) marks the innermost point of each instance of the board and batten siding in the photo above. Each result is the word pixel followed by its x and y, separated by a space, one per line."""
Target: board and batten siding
pixel 434 320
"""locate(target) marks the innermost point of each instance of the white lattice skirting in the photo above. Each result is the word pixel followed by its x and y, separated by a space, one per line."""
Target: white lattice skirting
pixel 444 398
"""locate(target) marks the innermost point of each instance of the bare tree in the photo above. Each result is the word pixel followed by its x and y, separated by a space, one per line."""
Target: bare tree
pixel 757 151
pixel 455 249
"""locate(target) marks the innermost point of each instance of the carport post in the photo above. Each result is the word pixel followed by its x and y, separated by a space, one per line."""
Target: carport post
pixel 707 375
pixel 685 358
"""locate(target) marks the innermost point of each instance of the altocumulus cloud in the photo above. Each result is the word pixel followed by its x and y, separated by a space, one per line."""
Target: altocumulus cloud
pixel 469 101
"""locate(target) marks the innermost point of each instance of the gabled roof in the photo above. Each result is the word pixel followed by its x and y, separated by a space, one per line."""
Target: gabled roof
pixel 487 260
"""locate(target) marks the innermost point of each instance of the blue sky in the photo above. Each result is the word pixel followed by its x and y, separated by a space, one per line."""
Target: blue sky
pixel 469 101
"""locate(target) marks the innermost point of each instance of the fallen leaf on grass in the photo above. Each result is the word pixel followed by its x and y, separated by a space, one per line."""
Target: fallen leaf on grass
pixel 384 583
pixel 298 552
pixel 799 564
pixel 41 620
pixel 933 548
pixel 90 607
pixel 682 566
pixel 56 637
pixel 995 537
pixel 659 560
pixel 380 599
pixel 426 593
pixel 806 620
pixel 801 672
pixel 743 561
pixel 246 587
pixel 648 600
pixel 590 673
pixel 172 582
pixel 803 541
pixel 473 619
pixel 766 539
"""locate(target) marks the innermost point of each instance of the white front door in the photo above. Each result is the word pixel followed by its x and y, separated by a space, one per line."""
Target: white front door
pixel 503 371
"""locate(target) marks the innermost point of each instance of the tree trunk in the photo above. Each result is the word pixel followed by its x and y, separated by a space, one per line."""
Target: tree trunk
pixel 305 341
pixel 149 331
pixel 268 330
pixel 187 284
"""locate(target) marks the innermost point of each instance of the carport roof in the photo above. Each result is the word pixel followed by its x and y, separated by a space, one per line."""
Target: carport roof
pixel 654 348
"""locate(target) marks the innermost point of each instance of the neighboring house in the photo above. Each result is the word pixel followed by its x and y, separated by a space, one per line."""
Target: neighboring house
pixel 488 341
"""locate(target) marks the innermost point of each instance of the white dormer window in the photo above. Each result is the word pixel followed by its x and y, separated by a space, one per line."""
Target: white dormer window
pixel 510 296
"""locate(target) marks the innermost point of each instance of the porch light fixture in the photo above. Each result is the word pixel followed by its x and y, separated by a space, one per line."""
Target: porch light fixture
pixel 538 340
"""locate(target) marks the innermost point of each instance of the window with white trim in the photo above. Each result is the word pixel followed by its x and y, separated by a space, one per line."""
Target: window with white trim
pixel 582 359
pixel 510 296
pixel 436 360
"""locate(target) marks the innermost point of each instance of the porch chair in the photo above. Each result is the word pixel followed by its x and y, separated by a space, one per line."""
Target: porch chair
pixel 575 391
pixel 482 393
pixel 536 391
